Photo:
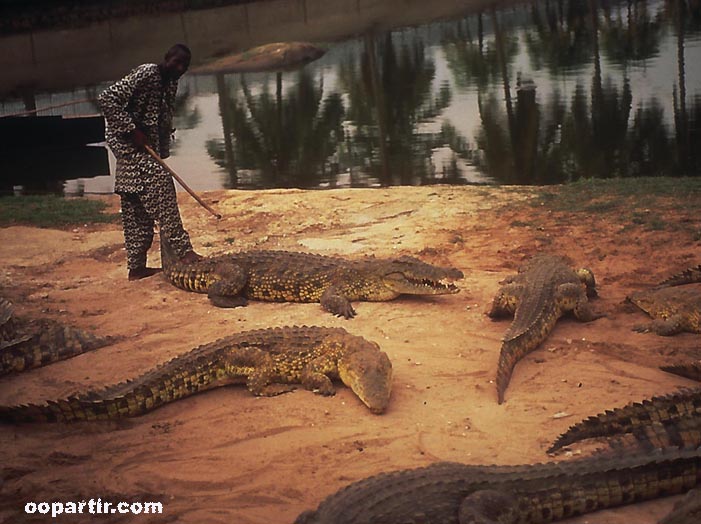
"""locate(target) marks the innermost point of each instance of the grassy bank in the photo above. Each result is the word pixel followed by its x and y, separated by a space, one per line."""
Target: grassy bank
pixel 593 195
pixel 632 202
pixel 52 211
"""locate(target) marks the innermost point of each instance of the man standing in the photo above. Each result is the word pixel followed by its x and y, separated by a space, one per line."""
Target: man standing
pixel 138 110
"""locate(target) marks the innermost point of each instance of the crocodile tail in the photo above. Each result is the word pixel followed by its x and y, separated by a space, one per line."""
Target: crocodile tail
pixel 161 385
pixel 682 433
pixel 690 370
pixel 64 410
pixel 28 413
pixel 49 342
pixel 88 407
pixel 505 368
pixel 587 428
pixel 513 350
pixel 688 276
pixel 630 418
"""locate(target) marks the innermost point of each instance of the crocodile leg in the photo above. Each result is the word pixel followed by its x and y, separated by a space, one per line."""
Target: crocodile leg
pixel 584 313
pixel 314 377
pixel 333 301
pixel 505 302
pixel 570 296
pixel 488 506
pixel 229 281
pixel 258 366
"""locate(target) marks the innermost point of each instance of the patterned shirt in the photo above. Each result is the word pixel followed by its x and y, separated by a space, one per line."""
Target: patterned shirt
pixel 144 100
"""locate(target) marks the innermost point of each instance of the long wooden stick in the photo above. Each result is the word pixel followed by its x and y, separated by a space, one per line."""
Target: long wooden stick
pixel 181 182
pixel 46 108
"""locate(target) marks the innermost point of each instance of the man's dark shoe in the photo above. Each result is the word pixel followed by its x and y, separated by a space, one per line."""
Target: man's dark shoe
pixel 143 272
pixel 190 257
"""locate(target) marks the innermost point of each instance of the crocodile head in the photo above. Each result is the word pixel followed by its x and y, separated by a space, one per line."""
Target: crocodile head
pixel 410 276
pixel 368 372
pixel 654 302
pixel 643 299
pixel 587 278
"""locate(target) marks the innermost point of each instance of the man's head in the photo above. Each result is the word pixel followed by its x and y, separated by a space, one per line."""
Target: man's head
pixel 176 61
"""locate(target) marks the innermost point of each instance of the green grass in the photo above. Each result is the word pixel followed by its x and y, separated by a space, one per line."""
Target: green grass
pixel 52 211
pixel 592 195
pixel 632 202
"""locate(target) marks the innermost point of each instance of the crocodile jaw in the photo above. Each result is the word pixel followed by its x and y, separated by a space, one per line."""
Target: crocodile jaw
pixel 646 301
pixel 402 284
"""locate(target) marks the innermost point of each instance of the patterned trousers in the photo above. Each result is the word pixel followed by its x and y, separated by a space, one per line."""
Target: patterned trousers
pixel 140 211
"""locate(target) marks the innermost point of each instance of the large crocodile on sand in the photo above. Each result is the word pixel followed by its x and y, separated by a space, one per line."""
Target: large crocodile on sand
pixel 674 309
pixel 452 493
pixel 545 288
pixel 268 361
pixel 284 276
pixel 27 344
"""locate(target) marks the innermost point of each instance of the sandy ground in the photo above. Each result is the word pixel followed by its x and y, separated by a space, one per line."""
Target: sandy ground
pixel 228 457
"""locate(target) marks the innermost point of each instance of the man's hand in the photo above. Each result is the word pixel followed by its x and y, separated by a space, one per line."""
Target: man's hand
pixel 138 138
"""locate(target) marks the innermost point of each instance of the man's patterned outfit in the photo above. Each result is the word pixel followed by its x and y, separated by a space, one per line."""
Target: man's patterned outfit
pixel 144 100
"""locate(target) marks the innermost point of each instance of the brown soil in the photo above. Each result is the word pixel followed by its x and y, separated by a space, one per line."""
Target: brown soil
pixel 228 457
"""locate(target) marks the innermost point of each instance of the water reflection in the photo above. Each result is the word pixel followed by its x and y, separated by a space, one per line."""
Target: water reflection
pixel 286 138
pixel 541 93
pixel 391 93
pixel 568 111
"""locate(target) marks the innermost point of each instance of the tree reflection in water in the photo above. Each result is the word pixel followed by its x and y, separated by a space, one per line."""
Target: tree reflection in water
pixel 551 83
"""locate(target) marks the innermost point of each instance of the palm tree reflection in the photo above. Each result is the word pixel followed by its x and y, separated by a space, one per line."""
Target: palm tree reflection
pixel 281 139
pixel 390 94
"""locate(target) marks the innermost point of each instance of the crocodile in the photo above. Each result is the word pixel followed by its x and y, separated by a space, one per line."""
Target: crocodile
pixel 688 276
pixel 285 276
pixel 454 493
pixel 268 361
pixel 545 288
pixel 634 417
pixel 690 370
pixel 27 344
pixel 674 309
